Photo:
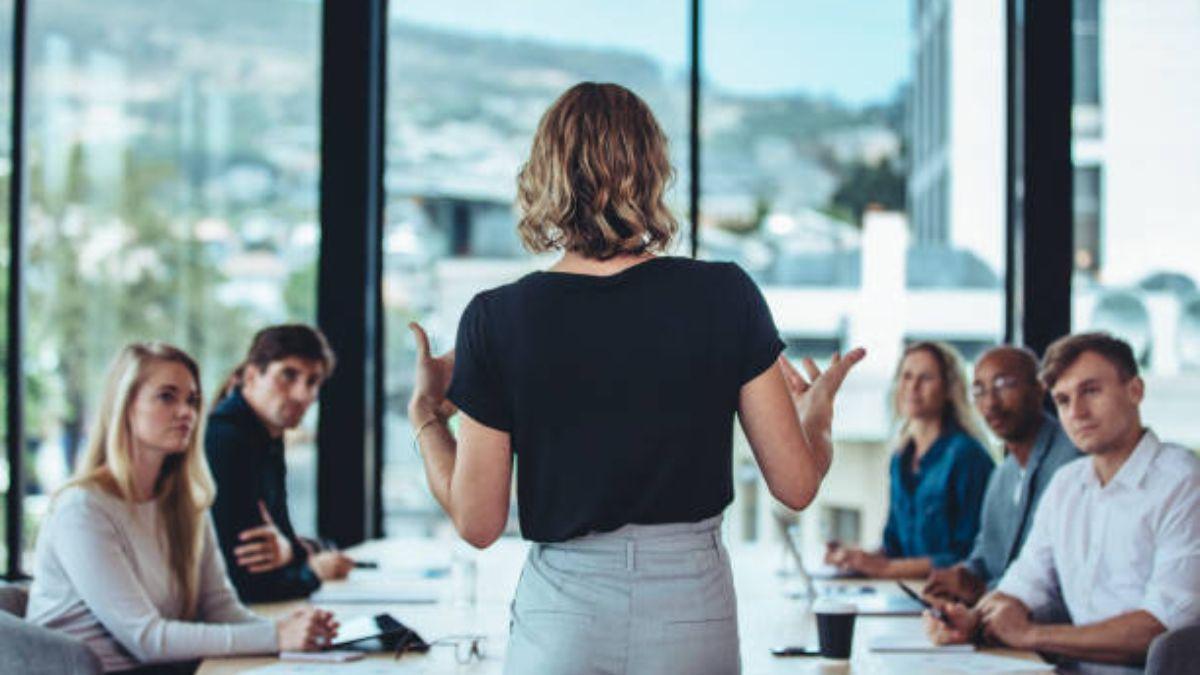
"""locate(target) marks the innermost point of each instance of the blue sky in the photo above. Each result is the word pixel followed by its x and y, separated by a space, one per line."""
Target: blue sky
pixel 855 50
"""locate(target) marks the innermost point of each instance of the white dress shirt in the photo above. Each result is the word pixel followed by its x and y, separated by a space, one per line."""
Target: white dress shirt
pixel 1133 544
pixel 102 575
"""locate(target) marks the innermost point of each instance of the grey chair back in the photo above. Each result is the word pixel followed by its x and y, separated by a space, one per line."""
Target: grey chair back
pixel 1175 652
pixel 13 599
pixel 35 650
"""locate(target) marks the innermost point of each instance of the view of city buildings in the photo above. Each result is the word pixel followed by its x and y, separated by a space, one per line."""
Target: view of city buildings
pixel 174 169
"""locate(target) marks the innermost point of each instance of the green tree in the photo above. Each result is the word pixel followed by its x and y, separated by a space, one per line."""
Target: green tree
pixel 300 293
pixel 158 284
pixel 861 184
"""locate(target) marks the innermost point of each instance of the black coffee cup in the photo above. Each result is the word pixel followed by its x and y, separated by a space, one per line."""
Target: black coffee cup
pixel 835 628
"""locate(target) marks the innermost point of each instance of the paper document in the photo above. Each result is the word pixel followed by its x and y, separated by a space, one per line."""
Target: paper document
pixel 327 656
pixel 824 571
pixel 887 604
pixel 913 642
pixel 377 592
pixel 960 662
pixel 376 667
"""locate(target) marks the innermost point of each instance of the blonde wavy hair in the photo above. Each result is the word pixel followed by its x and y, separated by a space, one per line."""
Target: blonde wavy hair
pixel 184 489
pixel 596 177
pixel 957 412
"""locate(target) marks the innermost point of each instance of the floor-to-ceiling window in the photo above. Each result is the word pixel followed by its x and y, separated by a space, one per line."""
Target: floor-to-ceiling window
pixel 853 164
pixel 173 163
pixel 1137 228
pixel 466 88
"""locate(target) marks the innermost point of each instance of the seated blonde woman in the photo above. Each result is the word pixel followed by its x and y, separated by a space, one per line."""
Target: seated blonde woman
pixel 127 560
pixel 939 471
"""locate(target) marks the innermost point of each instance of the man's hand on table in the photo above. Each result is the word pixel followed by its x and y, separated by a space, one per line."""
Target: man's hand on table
pixel 331 565
pixel 1006 620
pixel 1000 618
pixel 954 583
pixel 960 625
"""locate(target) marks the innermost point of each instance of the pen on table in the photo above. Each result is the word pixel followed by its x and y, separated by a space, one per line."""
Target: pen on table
pixel 937 613
pixel 330 545
pixel 363 564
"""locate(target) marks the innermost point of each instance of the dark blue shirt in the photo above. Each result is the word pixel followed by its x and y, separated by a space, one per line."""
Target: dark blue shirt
pixel 935 512
pixel 247 466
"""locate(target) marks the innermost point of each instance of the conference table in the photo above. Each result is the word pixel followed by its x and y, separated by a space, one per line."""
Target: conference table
pixel 424 584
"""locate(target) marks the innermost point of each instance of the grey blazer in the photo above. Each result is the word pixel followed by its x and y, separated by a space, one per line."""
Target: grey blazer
pixel 1008 514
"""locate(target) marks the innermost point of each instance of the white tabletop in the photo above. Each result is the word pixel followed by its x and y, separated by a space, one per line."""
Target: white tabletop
pixel 767 617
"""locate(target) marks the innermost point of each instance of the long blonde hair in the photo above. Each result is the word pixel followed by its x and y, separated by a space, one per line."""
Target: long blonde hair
pixel 957 411
pixel 184 488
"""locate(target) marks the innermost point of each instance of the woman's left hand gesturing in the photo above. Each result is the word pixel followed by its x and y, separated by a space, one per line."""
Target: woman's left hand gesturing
pixel 431 383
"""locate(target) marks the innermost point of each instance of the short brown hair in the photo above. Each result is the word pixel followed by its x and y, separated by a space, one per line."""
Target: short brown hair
pixel 596 176
pixel 275 343
pixel 1065 351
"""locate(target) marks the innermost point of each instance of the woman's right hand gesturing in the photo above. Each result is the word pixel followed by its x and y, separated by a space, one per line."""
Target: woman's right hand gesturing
pixel 814 396
pixel 306 630
pixel 788 420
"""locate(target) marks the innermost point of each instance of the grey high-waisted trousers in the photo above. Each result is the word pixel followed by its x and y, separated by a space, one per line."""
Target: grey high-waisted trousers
pixel 642 599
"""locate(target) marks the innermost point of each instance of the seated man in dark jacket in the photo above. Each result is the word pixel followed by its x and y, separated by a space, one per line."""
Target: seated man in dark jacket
pixel 269 393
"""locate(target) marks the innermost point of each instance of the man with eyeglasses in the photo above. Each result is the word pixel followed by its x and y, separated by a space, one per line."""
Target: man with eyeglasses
pixel 1009 397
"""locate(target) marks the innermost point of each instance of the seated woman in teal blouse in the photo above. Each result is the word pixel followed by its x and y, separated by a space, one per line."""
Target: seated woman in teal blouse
pixel 938 475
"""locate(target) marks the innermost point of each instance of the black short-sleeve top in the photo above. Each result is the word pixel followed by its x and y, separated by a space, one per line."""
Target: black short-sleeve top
pixel 618 392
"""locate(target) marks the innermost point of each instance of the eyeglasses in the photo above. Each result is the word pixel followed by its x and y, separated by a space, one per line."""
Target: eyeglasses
pixel 467 648
pixel 1000 384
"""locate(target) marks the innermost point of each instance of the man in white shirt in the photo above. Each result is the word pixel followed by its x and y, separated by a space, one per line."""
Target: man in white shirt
pixel 1116 537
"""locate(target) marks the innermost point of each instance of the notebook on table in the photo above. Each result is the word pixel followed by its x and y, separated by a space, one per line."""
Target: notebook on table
pixel 914 641
pixel 887 604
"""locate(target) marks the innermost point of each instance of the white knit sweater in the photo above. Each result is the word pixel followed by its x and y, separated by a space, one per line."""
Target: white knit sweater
pixel 102 575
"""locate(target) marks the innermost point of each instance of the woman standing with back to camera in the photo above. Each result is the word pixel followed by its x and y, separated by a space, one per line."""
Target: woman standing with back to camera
pixel 615 376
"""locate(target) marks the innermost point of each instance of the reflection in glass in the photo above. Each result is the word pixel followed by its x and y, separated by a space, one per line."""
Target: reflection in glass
pixel 862 187
pixel 1125 314
pixel 1134 150
pixel 1189 335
